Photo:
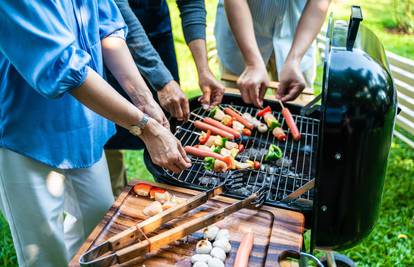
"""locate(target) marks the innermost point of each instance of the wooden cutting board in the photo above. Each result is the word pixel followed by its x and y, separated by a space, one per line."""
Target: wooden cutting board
pixel 277 232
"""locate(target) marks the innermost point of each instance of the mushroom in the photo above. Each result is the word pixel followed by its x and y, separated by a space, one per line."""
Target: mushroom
pixel 200 257
pixel 262 128
pixel 218 253
pixel 153 209
pixel 223 244
pixel 223 234
pixel 200 264
pixel 210 232
pixel 215 262
pixel 203 247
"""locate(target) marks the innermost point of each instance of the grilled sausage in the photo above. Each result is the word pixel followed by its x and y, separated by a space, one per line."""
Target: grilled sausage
pixel 238 117
pixel 243 253
pixel 205 127
pixel 201 153
pixel 291 123
pixel 221 126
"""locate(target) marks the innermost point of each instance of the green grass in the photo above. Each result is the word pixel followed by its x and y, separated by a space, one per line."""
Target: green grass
pixel 392 241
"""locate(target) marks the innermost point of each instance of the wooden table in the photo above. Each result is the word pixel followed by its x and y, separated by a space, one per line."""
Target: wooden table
pixel 278 232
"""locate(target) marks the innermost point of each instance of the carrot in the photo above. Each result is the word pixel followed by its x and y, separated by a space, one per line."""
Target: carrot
pixel 221 126
pixel 205 127
pixel 291 123
pixel 243 253
pixel 238 117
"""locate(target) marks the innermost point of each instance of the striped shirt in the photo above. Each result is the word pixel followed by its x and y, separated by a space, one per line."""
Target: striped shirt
pixel 275 23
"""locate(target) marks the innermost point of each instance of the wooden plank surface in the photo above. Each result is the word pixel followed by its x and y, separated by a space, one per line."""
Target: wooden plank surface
pixel 276 231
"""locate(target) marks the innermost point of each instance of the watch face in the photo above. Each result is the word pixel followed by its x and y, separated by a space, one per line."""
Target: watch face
pixel 135 130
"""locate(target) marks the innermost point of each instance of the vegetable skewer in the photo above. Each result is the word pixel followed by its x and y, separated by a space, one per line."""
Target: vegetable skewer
pixel 218 125
pixel 205 127
pixel 238 117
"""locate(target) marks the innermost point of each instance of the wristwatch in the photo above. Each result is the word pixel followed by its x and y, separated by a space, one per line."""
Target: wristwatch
pixel 137 129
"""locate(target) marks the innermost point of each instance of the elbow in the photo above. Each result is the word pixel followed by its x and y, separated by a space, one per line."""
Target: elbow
pixel 65 73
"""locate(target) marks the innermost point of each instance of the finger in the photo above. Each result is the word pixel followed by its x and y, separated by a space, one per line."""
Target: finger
pixel 262 93
pixel 173 167
pixel 178 113
pixel 165 123
pixel 217 96
pixel 205 100
pixel 245 95
pixel 185 107
pixel 182 151
pixel 293 93
pixel 281 91
pixel 254 95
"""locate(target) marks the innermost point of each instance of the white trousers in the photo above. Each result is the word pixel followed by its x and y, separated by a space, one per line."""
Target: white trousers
pixel 51 211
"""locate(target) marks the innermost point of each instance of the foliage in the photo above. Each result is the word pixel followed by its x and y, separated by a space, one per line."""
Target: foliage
pixel 404 15
pixel 392 241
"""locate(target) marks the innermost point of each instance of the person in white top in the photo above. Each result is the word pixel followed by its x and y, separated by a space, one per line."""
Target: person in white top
pixel 251 34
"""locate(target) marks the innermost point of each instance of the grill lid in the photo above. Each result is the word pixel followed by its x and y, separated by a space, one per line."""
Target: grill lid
pixel 357 119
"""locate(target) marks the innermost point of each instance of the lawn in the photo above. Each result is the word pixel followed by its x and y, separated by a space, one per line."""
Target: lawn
pixel 392 241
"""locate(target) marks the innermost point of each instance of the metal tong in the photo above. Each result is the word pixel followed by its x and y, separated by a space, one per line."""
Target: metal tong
pixel 127 244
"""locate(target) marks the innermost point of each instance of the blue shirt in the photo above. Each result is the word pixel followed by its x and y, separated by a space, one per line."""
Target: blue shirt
pixel 274 23
pixel 46 50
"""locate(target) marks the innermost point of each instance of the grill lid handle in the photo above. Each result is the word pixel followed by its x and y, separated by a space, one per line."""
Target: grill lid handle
pixel 353 26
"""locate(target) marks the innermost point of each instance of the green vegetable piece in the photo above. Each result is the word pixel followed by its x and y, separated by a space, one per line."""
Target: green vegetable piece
pixel 223 141
pixel 273 153
pixel 216 149
pixel 213 112
pixel 274 124
pixel 209 163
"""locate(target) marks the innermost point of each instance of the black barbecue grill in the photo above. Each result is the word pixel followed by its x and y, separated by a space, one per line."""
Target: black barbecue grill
pixel 344 147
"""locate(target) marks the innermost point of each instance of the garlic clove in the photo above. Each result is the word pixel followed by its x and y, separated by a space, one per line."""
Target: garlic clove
pixel 200 257
pixel 200 264
pixel 223 244
pixel 223 234
pixel 203 247
pixel 214 262
pixel 218 253
pixel 210 232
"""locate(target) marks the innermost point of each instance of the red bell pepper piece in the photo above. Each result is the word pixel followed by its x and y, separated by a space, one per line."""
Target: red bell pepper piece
pixel 156 190
pixel 204 138
pixel 262 112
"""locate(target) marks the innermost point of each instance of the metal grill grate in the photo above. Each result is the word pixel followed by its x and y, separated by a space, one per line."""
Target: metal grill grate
pixel 281 180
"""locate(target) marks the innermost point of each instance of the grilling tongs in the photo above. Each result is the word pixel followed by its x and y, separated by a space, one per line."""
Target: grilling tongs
pixel 127 244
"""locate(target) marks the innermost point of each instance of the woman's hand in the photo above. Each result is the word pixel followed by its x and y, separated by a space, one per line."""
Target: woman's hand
pixel 173 99
pixel 292 81
pixel 153 110
pixel 212 89
pixel 165 150
pixel 253 83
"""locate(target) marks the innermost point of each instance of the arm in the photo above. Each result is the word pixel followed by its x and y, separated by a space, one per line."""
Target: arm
pixel 149 63
pixel 253 81
pixel 193 18
pixel 120 63
pixel 292 81
pixel 165 150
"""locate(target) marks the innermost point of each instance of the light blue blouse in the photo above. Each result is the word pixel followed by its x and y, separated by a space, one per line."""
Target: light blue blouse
pixel 46 49
pixel 274 24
